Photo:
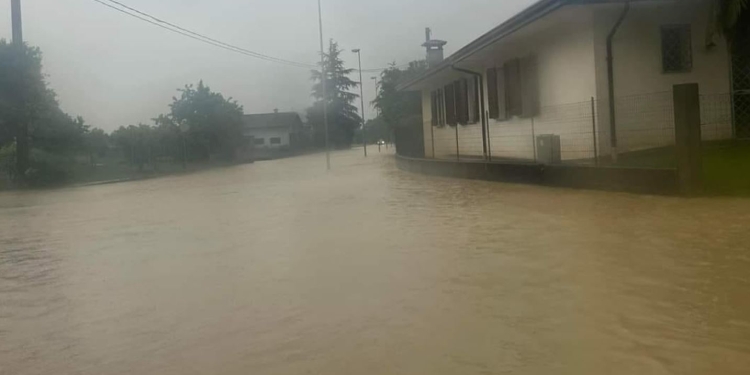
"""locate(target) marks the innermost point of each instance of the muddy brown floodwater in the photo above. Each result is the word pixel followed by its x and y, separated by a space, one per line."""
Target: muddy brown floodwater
pixel 282 268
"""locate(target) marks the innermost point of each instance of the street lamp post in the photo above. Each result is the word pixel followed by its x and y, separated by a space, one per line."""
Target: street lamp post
pixel 323 79
pixel 362 99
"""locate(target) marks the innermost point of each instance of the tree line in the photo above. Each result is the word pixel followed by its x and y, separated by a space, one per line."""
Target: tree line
pixel 200 125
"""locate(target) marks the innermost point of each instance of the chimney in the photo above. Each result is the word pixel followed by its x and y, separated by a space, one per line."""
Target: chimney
pixel 434 48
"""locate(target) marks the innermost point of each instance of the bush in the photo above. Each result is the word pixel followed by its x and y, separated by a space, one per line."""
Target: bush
pixel 47 169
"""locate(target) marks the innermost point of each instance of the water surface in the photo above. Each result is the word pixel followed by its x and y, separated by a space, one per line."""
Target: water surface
pixel 282 268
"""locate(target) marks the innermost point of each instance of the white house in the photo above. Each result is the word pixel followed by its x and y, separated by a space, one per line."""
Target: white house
pixel 545 71
pixel 274 134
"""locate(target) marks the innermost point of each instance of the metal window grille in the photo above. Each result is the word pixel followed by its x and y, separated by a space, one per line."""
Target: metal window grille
pixel 741 84
pixel 676 49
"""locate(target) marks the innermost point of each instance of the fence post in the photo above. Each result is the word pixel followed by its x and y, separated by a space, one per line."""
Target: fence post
pixel 489 138
pixel 593 131
pixel 533 137
pixel 432 139
pixel 687 130
pixel 457 151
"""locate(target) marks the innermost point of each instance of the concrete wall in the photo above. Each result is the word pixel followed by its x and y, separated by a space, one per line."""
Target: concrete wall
pixel 635 180
pixel 642 90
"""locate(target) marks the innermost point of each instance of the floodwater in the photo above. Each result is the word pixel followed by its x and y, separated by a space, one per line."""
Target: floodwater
pixel 282 268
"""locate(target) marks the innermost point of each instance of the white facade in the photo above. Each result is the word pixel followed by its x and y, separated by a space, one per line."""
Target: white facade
pixel 564 54
pixel 269 138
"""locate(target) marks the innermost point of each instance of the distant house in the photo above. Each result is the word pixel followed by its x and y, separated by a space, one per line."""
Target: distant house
pixel 545 72
pixel 274 134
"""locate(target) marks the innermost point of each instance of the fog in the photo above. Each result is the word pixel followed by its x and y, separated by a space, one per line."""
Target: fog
pixel 116 70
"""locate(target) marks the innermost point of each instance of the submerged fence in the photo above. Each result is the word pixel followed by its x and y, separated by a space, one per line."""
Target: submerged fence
pixel 579 133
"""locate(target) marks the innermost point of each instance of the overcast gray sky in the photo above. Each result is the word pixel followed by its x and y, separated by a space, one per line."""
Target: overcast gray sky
pixel 115 70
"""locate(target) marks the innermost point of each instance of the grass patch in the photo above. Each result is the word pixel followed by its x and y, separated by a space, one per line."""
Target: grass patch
pixel 726 164
pixel 726 167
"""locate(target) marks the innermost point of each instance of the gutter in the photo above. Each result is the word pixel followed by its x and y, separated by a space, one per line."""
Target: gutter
pixel 611 81
pixel 481 105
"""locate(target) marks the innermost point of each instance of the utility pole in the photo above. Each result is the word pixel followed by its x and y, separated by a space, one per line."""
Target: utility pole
pixel 323 79
pixel 22 130
pixel 362 99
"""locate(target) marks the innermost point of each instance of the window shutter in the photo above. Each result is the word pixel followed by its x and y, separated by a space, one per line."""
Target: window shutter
pixel 500 87
pixel 434 108
pixel 474 100
pixel 513 97
pixel 450 105
pixel 463 101
pixel 529 87
pixel 441 107
pixel 492 92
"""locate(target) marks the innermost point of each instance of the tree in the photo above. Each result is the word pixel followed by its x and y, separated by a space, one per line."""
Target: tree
pixel 730 17
pixel 399 108
pixel 29 112
pixel 214 123
pixel 136 143
pixel 377 129
pixel 23 92
pixel 97 144
pixel 343 116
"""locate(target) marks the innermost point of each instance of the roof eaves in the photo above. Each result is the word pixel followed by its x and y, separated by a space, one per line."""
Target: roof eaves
pixel 521 19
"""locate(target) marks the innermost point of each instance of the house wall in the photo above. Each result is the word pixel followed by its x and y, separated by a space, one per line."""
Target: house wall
pixel 643 93
pixel 565 73
pixel 569 50
pixel 563 56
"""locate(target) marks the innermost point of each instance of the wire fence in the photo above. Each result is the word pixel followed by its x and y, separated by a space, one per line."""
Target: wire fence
pixel 580 133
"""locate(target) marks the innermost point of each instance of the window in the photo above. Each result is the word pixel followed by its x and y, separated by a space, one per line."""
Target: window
pixel 456 103
pixel 513 93
pixel 473 100
pixel 676 49
pixel 513 89
pixel 450 105
pixel 441 107
pixel 492 91
pixel 434 108
pixel 462 101
pixel 259 141
pixel 275 141
pixel 437 108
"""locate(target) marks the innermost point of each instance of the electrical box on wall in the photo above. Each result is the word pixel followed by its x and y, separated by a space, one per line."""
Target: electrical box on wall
pixel 548 149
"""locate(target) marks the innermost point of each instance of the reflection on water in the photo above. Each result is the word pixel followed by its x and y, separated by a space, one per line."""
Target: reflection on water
pixel 282 268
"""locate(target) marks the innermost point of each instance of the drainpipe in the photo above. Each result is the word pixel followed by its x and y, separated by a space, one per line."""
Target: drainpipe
pixel 481 105
pixel 611 81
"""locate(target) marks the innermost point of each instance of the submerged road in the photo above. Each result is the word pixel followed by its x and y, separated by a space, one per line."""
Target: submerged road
pixel 283 268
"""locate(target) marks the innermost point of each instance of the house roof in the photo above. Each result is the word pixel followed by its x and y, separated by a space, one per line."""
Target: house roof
pixel 272 120
pixel 534 12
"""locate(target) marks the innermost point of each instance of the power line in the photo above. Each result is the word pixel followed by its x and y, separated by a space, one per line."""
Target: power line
pixel 210 41
pixel 143 16
pixel 258 54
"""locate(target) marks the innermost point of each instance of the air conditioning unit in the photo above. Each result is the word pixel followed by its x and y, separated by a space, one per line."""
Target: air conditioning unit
pixel 548 149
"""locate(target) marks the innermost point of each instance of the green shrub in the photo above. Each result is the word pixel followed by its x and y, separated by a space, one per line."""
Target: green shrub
pixel 47 169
